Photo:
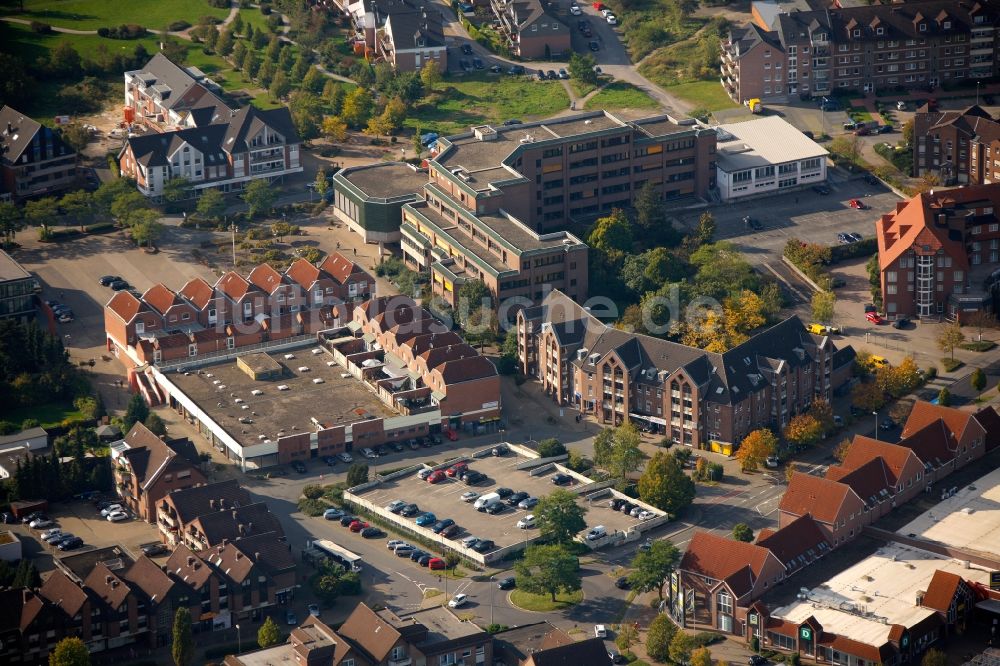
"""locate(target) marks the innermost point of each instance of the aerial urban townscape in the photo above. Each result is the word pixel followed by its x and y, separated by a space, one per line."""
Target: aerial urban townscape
pixel 500 332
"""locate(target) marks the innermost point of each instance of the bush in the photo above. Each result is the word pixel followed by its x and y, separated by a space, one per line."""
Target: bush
pixel 219 4
pixel 978 345
pixel 931 373
pixel 496 628
pixel 177 26
pixel 865 248
pixel 705 638
pixel 951 364
pixel 313 507
pixel 40 28
pixel 550 448
pixel 129 31
pixel 312 492
pixel 7 428
pixel 265 8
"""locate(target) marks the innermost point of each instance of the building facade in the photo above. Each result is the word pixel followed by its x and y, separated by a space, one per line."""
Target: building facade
pixel 696 398
pixel 938 253
pixel 34 160
pixel 411 39
pixel 17 290
pixel 167 97
pixel 369 198
pixel 959 147
pixel 530 30
pixel 871 48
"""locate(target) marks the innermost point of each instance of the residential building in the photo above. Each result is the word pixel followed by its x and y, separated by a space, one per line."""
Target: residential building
pixel 258 571
pixel 369 198
pixel 246 145
pixel 203 586
pixel 514 646
pixel 34 160
pixel 213 528
pixel 765 155
pixel 17 290
pixel 588 651
pixel 179 508
pixel 411 39
pixel 938 253
pixel 147 468
pixel 381 638
pixel 167 97
pixel 531 32
pixel 203 320
pixel 696 398
pixel 864 48
pixel 958 147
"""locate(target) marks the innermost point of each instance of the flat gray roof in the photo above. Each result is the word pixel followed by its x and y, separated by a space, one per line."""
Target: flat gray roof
pixel 763 141
pixel 260 362
pixel 386 180
pixel 442 625
pixel 10 269
pixel 274 412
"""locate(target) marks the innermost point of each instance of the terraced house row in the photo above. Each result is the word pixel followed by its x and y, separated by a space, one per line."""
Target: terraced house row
pixel 697 398
pixel 735 587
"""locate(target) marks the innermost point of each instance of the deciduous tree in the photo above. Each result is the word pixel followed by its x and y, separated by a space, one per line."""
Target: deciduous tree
pixel 43 212
pixel 357 107
pixel 335 129
pixel 259 197
pixel 934 657
pixel 268 634
pixel 357 474
pixel 949 337
pixel 137 411
pixel 651 568
pixel 665 485
pixel 755 448
pixel 978 379
pixel 867 396
pixel 612 234
pixel 548 570
pixel 742 532
pixel 559 516
pixel 581 68
pixel 70 652
pixel 280 86
pixel 706 229
pixel 701 657
pixel 211 205
pixel 680 648
pixel 822 306
pixel 804 430
pixel 78 205
pixel 430 75
pixel 11 220
pixel 618 451
pixel 658 637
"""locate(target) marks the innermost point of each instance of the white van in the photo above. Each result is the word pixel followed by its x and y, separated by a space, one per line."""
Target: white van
pixel 597 532
pixel 486 501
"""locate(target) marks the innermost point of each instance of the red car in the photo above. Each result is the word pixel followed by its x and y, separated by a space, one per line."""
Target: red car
pixel 358 525
pixel 436 563
pixel 451 435
pixel 857 204
pixel 457 468
pixel 436 477
pixel 599 6
pixel 874 317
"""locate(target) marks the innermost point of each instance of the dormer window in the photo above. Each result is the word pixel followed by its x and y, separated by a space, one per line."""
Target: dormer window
pixel 923 27
pixel 879 31
pixel 947 25
pixel 857 32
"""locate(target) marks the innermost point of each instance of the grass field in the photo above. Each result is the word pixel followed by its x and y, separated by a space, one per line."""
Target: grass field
pixel 542 603
pixel 621 95
pixel 253 17
pixel 31 45
pixel 93 14
pixel 470 100
pixel 704 95
pixel 49 414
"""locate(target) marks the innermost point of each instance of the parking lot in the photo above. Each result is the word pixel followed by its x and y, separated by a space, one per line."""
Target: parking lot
pixel 444 500
pixel 83 519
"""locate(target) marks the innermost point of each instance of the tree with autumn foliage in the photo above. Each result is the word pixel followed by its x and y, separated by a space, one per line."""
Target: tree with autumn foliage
pixel 840 451
pixel 804 430
pixel 900 379
pixel 868 397
pixel 755 449
pixel 740 316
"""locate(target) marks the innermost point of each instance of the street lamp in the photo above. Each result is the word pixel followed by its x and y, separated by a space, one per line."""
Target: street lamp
pixel 492 588
pixel 232 228
pixel 239 640
pixel 876 424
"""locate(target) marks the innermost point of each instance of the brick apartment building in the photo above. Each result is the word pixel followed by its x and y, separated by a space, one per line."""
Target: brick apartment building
pixel 164 326
pixel 959 147
pixel 17 290
pixel 938 253
pixel 692 396
pixel 179 508
pixel 164 97
pixel 530 30
pixel 34 160
pixel 146 468
pixel 497 199
pixel 410 39
pixel 864 48
pixel 817 514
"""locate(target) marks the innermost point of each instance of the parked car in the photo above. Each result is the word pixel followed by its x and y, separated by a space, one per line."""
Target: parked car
pixel 484 546
pixel 330 461
pixel 70 544
pixel 478 63
pixel 397 447
pixel 40 523
pixel 31 516
pixel 106 280
pixel 347 519
pixel 436 476
pixel 646 515
pixel 900 106
pixel 441 525
pixel 594 45
pixel 427 518
pixel 291 619
pixel 470 496
pixel 345 457
pixel 409 510
pixel 600 631
pixel 404 551
pixel 494 509
pixel 395 506
pixel 458 601
pixel 372 533
pixel 450 434
pixel 333 514
pixel 772 461
pixel 563 74
pixel 299 466
pixel 500 450
pixel 857 238
pixel 472 478
pixel 508 583
pixel 616 657
pixel 417 554
pixel 527 522
pixel 575 10
pixel 622 583
pixel 540 75
pixel 392 544
pixel 528 503
pixel 119 285
pixel 368 453
pixel 110 508
pixel 58 539
pixel 455 469
pixel 451 531
pixel 612 19
pixel 117 516
pixel 470 541
pixel 466 49
pixel 598 6
pixel 424 473
pixel 561 479
pixel 516 498
pixel 551 75
pixel 436 564
pixel 358 526
pixel 857 204
pixel 414 446
pixel 48 535
pixel 515 70
pixel 874 318
pixel 902 321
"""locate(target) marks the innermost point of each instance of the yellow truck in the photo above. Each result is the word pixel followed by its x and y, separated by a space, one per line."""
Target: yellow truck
pixel 755 105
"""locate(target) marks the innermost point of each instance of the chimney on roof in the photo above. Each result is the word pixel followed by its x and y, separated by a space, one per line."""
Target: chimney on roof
pixel 241 528
pixel 190 560
pixel 114 584
pixel 256 556
pixel 10 129
pixel 108 579
pixel 225 542
pixel 239 555
pixel 236 514
pixel 212 503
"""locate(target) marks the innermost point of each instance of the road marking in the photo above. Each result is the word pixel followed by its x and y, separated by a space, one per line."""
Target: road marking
pixel 731 493
pixel 767 501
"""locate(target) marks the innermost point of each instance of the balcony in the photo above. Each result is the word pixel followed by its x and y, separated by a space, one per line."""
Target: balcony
pixel 405 661
pixel 167 520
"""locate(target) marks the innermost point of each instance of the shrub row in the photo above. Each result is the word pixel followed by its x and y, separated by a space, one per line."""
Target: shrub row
pixel 124 31
pixel 865 248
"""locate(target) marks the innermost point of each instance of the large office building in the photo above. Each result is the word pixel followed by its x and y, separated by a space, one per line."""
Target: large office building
pixel 958 147
pixel 369 198
pixel 696 398
pixel 863 48
pixel 939 253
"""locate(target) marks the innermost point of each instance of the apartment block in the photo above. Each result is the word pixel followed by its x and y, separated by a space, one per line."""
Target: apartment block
pixel 165 97
pixel 863 48
pixel 411 39
pixel 959 147
pixel 530 30
pixel 17 290
pixel 696 398
pixel 34 160
pixel 179 508
pixel 938 253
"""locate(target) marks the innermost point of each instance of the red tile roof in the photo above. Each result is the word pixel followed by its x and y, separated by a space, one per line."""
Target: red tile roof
pixel 303 273
pixel 933 443
pixel 466 370
pixel 941 591
pixel 797 544
pixel 719 558
pixel 106 584
pixel 822 498
pixel 125 305
pixel 867 480
pixel 422 343
pixel 146 575
pixel 160 298
pixel 371 633
pixel 265 277
pixel 339 267
pixel 187 566
pixel 198 292
pixel 912 223
pixel 924 413
pixel 864 449
pixel 233 285
pixel 872 653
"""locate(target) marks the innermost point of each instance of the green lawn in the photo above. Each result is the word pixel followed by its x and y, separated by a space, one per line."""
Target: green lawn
pixel 704 95
pixel 580 88
pixel 462 102
pixel 621 95
pixel 256 19
pixel 48 415
pixel 30 45
pixel 93 14
pixel 543 603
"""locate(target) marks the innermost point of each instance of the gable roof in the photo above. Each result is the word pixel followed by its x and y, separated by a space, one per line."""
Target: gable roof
pixel 107 586
pixel 235 523
pixel 990 421
pixel 863 449
pixel 941 591
pixel 198 292
pixel 249 120
pixel 146 576
pixel 369 632
pixel 719 558
pixel 339 267
pixel 149 456
pixel 160 298
pixel 126 306
pixel 185 565
pixel 466 369
pixel 303 273
pixel 868 480
pixel 797 544
pixel 174 84
pixel 822 498
pixel 15 142
pixel 591 652
pixel 63 593
pixel 265 277
pixel 207 498
pixel 155 149
pixel 408 28
pixel 268 550
pixel 233 285
pixel 933 444
pixel 924 412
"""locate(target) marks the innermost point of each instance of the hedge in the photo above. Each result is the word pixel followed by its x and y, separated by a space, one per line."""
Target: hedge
pixel 177 26
pixel 864 248
pixel 124 31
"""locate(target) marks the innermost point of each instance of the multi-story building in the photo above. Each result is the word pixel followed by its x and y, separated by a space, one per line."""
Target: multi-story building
pixel 258 571
pixel 179 508
pixel 34 160
pixel 696 398
pixel 959 147
pixel 411 39
pixel 146 468
pixel 369 198
pixel 245 145
pixel 938 253
pixel 864 48
pixel 164 326
pixel 17 290
pixel 530 30
pixel 165 96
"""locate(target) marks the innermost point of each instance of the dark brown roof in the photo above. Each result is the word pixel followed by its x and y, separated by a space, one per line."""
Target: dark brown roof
pixel 149 456
pixel 591 652
pixel 63 593
pixel 373 635
pixel 232 524
pixel 268 550
pixel 941 591
pixel 230 560
pixel 147 576
pixel 466 369
pixel 422 343
pixel 990 420
pixel 797 544
pixel 186 566
pixel 933 443
pixel 207 498
pixel 106 585
pixel 868 480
